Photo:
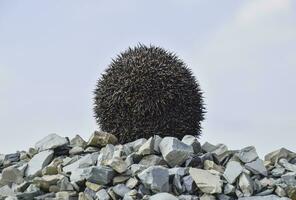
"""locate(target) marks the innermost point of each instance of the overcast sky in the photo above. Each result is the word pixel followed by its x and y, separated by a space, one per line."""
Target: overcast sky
pixel 241 52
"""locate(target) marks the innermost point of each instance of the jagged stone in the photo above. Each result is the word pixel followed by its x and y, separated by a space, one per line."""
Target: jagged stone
pixel 192 141
pixel 101 139
pixel 174 151
pixel 155 178
pixel 38 162
pixel 246 185
pixel 51 141
pixel 205 181
pixel 78 141
pixel 102 195
pixel 100 175
pixel 257 167
pixel 248 154
pixel 117 164
pixel 232 171
pixel 147 148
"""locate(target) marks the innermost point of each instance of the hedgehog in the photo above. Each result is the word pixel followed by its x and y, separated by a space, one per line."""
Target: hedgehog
pixel 147 91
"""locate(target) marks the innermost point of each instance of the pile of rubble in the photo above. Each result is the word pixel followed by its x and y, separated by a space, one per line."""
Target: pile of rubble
pixel 58 168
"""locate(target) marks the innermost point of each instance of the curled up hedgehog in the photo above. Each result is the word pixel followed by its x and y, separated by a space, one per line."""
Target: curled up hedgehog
pixel 147 90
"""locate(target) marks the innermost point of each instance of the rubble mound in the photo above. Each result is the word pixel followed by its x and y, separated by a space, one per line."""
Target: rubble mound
pixel 157 168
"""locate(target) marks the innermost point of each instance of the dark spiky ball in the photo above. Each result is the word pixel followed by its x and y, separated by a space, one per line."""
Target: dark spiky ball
pixel 147 91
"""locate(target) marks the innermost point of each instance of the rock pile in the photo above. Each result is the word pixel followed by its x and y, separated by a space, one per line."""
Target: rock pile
pixel 158 169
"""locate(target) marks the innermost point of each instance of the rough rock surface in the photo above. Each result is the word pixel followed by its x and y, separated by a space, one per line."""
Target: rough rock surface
pixel 155 168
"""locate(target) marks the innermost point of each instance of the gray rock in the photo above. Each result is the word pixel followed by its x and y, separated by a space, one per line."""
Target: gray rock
pixel 248 154
pixel 155 178
pixel 132 182
pixel 192 141
pixel 269 197
pixel 257 167
pixel 278 171
pixel 102 195
pixel 207 197
pixel 288 166
pixel 188 197
pixel 102 175
pixel 163 196
pixel 205 181
pixel 274 156
pixel 38 162
pixel 157 139
pixel 147 148
pixel 189 184
pixel 117 164
pixel 289 179
pixel 85 161
pixel 6 191
pixel 137 168
pixel 181 171
pixel 229 189
pixel 232 171
pixel 120 190
pixel 51 141
pixel 208 147
pixel 106 154
pixel 11 175
pixel 131 195
pixel 152 160
pixel 246 185
pixel 78 141
pixel 76 150
pixel 174 151
pixel 101 139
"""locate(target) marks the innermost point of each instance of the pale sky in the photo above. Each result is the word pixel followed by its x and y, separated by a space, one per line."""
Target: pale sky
pixel 242 53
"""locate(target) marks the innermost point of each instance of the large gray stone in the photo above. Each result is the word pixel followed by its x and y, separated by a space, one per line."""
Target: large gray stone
pixel 38 162
pixel 192 141
pixel 101 175
pixel 155 178
pixel 205 181
pixel 102 195
pixel 84 161
pixel 174 151
pixel 120 189
pixel 163 196
pixel 232 171
pixel 117 164
pixel 50 142
pixel 248 154
pixel 11 175
pixel 257 167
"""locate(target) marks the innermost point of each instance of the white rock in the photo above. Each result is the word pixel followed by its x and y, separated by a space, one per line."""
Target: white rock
pixel 163 196
pixel 232 171
pixel 38 162
pixel 147 147
pixel 85 161
pixel 50 142
pixel 207 182
pixel 246 185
